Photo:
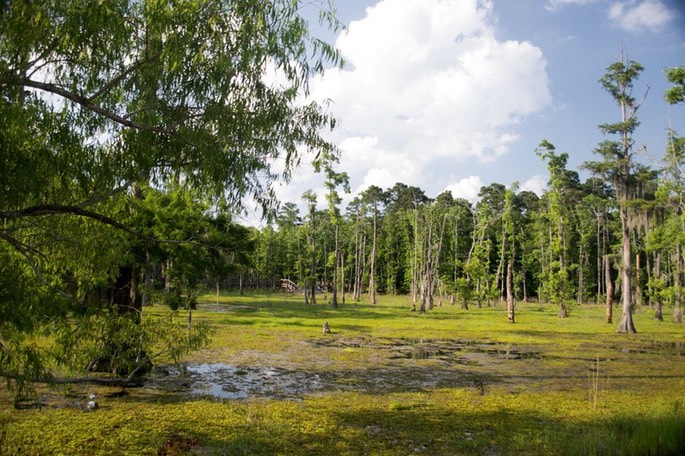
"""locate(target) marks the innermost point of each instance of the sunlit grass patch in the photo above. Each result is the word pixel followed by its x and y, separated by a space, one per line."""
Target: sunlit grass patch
pixel 394 382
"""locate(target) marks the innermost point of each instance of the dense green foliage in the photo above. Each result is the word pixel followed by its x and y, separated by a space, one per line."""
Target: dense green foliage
pixel 131 131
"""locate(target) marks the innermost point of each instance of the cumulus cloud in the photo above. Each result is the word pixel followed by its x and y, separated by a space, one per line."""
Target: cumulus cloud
pixel 536 184
pixel 633 16
pixel 467 188
pixel 428 80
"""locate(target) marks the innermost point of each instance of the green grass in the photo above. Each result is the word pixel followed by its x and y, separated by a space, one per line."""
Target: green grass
pixel 574 387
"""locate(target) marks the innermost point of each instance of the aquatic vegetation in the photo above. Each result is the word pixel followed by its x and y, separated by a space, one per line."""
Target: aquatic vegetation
pixel 386 381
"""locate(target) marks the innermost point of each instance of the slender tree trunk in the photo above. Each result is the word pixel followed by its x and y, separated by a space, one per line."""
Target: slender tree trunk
pixel 498 275
pixel 342 277
pixel 599 263
pixel 372 275
pixel 658 314
pixel 638 280
pixel 581 285
pixel 523 285
pixel 334 300
pixel 147 281
pixel 677 307
pixel 510 291
pixel 648 268
pixel 609 288
pixel 218 289
pixel 415 267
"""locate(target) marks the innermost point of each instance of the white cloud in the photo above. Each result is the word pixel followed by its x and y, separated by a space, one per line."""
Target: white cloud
pixel 428 80
pixel 553 5
pixel 467 188
pixel 536 184
pixel 651 15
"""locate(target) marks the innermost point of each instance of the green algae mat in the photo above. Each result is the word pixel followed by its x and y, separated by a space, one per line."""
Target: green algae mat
pixel 386 381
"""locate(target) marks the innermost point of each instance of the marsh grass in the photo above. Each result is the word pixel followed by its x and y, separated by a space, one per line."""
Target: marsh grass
pixel 540 386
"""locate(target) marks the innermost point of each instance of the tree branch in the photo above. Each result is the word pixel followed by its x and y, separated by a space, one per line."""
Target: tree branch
pixel 111 84
pixel 53 209
pixel 88 104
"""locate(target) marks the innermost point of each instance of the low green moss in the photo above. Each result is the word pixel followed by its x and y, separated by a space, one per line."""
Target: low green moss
pixel 540 386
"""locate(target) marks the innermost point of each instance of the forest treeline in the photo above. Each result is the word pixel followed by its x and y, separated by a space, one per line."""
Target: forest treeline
pixel 572 245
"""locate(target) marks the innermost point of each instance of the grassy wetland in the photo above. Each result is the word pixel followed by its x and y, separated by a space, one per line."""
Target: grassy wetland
pixel 385 381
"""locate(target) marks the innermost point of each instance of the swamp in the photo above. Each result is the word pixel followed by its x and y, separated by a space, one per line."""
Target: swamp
pixel 384 381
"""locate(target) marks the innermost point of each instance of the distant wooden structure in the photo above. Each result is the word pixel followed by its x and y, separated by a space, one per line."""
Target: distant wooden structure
pixel 289 286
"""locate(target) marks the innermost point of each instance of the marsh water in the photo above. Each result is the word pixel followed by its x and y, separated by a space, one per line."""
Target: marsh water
pixel 395 364
pixel 400 365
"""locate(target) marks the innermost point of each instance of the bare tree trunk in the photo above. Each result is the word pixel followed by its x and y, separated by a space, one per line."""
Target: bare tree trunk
pixel 626 324
pixel 166 268
pixel 581 285
pixel 498 275
pixel 523 284
pixel 415 269
pixel 638 280
pixel 342 277
pixel 609 288
pixel 658 314
pixel 510 291
pixel 334 300
pixel 677 307
pixel 599 263
pixel 372 276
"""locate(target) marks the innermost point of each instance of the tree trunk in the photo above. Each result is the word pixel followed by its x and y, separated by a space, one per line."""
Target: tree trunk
pixel 626 324
pixel 342 277
pixel 581 285
pixel 372 276
pixel 498 275
pixel 147 281
pixel 334 299
pixel 599 263
pixel 510 291
pixel 609 288
pixel 677 306
pixel 658 314
pixel 638 280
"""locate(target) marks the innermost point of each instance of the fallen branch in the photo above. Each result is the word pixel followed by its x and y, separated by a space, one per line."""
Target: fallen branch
pixel 127 382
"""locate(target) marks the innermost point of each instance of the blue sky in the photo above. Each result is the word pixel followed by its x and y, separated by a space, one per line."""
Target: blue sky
pixel 455 94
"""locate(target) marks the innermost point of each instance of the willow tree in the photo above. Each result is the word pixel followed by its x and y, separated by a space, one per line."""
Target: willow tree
pixel 617 167
pixel 95 99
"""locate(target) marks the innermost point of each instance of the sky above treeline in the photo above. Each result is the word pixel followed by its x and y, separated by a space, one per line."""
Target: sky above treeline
pixel 457 94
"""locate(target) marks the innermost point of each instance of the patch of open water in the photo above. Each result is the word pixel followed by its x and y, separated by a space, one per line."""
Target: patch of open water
pixel 226 381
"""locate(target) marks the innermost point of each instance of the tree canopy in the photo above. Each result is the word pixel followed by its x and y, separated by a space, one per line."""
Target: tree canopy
pixel 100 101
